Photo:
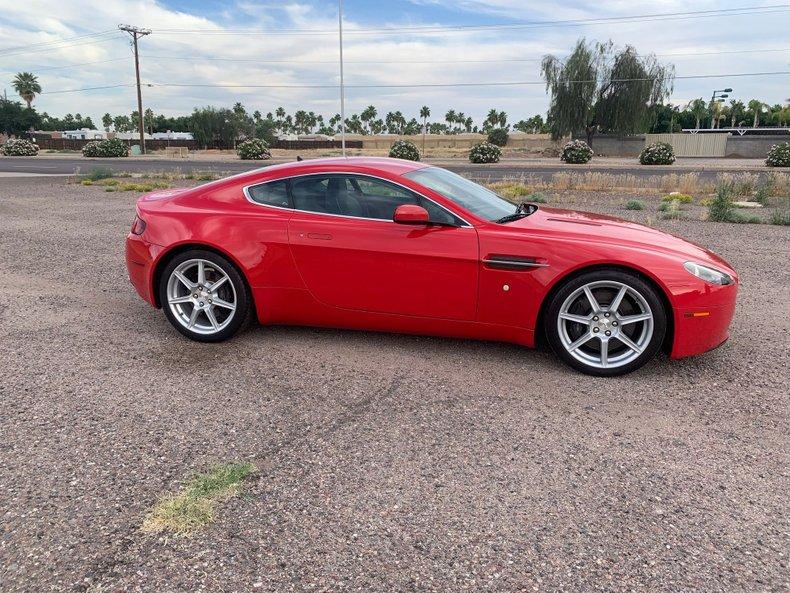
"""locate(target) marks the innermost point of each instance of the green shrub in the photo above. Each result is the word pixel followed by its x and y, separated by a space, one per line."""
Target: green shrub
pixel 779 155
pixel 720 208
pixel 403 149
pixel 253 149
pixel 19 147
pixel 678 197
pixel 536 198
pixel 634 205
pixel 485 152
pixel 98 173
pixel 781 218
pixel 765 188
pixel 498 136
pixel 671 210
pixel 114 148
pixel 659 153
pixel 576 152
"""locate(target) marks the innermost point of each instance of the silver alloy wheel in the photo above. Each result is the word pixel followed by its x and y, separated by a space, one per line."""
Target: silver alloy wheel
pixel 605 324
pixel 201 296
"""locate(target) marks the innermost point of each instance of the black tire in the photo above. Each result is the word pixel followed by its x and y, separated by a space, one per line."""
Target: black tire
pixel 243 300
pixel 650 346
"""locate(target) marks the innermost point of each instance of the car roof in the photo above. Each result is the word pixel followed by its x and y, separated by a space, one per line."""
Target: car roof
pixel 389 165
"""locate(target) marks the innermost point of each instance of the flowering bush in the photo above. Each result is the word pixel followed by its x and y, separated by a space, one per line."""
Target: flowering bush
pixel 106 148
pixel 403 149
pixel 659 153
pixel 779 155
pixel 19 147
pixel 485 152
pixel 676 196
pixel 576 152
pixel 254 149
pixel 498 136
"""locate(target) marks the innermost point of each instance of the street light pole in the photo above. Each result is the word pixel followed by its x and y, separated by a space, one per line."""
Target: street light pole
pixel 136 33
pixel 716 98
pixel 342 84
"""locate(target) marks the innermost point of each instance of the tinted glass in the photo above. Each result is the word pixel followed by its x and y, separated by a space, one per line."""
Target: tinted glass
pixel 274 193
pixel 360 196
pixel 467 194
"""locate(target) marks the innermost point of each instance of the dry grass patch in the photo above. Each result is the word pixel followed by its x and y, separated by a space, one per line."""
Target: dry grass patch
pixel 194 506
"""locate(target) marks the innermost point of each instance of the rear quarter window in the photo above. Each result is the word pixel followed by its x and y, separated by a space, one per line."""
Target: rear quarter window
pixel 274 193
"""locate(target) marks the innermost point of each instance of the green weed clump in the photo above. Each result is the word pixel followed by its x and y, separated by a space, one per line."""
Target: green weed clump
pixel 193 507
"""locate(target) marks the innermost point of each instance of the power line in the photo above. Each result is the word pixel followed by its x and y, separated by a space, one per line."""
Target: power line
pixel 457 84
pixel 748 10
pixel 56 41
pixel 90 88
pixel 492 61
pixel 104 39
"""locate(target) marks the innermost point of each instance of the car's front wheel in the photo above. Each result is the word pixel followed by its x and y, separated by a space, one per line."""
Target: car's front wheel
pixel 204 296
pixel 606 322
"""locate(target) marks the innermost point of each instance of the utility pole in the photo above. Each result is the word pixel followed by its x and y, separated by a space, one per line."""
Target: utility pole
pixel 342 86
pixel 136 33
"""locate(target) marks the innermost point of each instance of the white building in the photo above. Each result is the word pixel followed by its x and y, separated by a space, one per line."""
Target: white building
pixel 85 134
pixel 169 135
pixel 132 136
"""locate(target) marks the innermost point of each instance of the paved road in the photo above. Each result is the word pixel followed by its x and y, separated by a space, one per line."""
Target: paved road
pixel 68 166
pixel 385 463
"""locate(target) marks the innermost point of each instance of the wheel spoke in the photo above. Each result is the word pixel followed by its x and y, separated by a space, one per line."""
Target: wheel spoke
pixel 201 272
pixel 184 280
pixel 583 340
pixel 584 320
pixel 604 352
pixel 591 298
pixel 629 343
pixel 179 300
pixel 212 319
pixel 193 317
pixel 634 318
pixel 618 299
pixel 224 304
pixel 217 284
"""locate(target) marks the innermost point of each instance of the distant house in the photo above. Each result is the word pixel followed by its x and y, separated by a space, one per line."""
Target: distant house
pixel 131 136
pixel 84 134
pixel 169 135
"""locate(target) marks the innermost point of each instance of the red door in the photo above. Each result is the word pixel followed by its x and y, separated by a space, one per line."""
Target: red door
pixel 353 261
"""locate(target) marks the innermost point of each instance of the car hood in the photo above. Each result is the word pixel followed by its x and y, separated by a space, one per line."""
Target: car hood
pixel 590 227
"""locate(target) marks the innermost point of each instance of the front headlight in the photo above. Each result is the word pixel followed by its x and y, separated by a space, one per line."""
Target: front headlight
pixel 708 274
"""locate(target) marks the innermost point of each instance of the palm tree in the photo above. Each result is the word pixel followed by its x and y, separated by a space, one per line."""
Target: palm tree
pixel 26 84
pixel 699 109
pixel 368 114
pixel 491 119
pixel 756 107
pixel 449 117
pixel 737 109
pixel 502 119
pixel 425 113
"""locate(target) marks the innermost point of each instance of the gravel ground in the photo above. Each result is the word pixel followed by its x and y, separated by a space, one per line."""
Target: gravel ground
pixel 385 463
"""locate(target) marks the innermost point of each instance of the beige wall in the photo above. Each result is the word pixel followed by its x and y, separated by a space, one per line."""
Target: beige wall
pixel 535 142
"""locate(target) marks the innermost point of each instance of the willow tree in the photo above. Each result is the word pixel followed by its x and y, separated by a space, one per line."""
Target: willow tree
pixel 599 87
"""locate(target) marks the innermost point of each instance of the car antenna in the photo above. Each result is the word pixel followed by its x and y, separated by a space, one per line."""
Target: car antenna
pixel 299 158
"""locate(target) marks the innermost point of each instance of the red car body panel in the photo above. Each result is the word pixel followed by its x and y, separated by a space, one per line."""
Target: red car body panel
pixel 307 268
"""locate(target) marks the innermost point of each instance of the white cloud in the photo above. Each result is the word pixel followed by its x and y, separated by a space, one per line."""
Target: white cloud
pixel 47 20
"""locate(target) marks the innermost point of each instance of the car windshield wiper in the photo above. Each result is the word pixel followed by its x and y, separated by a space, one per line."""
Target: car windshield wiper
pixel 522 210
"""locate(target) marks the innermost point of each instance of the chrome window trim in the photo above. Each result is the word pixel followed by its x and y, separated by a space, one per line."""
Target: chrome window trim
pixel 247 195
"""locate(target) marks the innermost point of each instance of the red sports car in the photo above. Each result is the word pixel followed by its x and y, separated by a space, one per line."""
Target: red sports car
pixel 389 245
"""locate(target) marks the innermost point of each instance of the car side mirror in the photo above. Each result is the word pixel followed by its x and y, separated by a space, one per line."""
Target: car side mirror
pixel 411 214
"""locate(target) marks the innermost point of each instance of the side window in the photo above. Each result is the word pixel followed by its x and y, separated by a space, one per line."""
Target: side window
pixel 309 193
pixel 377 198
pixel 274 193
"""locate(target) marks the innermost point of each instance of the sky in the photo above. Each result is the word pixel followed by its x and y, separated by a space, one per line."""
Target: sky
pixel 230 47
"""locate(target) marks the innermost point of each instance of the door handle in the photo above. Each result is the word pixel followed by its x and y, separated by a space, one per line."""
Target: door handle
pixel 320 236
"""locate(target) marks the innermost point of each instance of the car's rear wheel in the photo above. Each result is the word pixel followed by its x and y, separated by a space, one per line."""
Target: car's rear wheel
pixel 606 322
pixel 204 296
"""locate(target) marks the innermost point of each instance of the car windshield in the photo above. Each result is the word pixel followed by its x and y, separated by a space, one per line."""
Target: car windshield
pixel 467 194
